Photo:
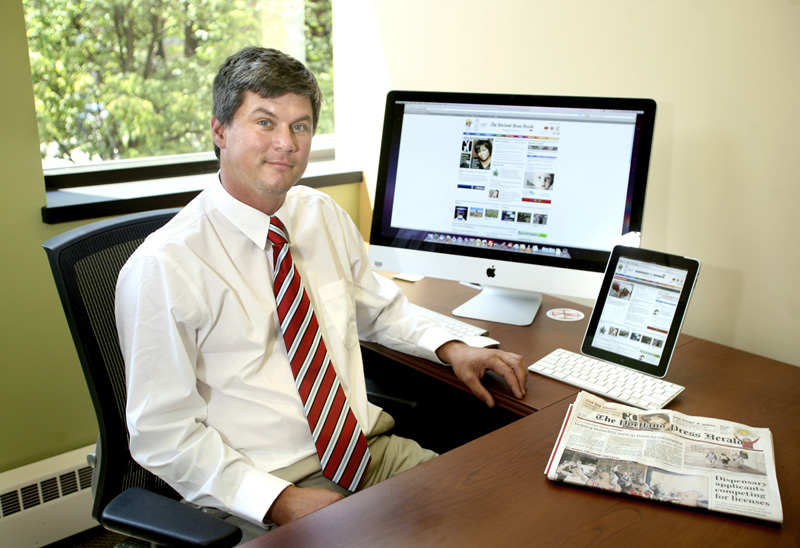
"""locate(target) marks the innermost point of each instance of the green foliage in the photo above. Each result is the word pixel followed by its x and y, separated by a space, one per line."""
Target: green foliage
pixel 319 55
pixel 118 79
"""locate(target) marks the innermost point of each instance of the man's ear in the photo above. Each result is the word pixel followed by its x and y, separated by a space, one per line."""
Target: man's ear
pixel 218 130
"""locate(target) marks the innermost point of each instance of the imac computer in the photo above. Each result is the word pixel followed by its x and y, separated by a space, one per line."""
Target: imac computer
pixel 521 194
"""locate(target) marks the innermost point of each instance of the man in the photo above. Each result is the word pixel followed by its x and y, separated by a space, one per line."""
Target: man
pixel 213 407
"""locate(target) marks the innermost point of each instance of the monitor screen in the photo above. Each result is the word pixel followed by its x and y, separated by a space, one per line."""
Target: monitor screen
pixel 519 193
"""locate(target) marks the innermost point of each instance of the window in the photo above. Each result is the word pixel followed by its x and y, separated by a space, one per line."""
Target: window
pixel 122 83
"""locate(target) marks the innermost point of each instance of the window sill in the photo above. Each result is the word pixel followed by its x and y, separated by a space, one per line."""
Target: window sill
pixel 90 202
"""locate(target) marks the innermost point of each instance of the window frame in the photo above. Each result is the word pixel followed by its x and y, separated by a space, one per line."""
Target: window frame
pixel 125 186
pixel 323 149
pixel 96 188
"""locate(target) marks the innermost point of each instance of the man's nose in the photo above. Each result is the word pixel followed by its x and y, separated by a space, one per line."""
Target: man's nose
pixel 284 139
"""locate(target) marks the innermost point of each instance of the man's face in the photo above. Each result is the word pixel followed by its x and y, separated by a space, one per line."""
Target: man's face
pixel 264 149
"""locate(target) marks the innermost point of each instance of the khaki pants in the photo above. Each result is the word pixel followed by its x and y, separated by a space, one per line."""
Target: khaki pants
pixel 390 456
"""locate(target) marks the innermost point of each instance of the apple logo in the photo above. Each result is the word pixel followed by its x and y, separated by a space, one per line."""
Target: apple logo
pixel 490 272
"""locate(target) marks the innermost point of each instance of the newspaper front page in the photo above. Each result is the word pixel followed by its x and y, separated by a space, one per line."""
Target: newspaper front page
pixel 668 456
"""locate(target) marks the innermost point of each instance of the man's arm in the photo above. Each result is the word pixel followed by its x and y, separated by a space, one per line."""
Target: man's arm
pixel 470 364
pixel 295 502
pixel 384 316
pixel 165 411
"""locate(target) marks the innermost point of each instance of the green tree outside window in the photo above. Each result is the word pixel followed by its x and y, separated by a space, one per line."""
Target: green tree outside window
pixel 124 79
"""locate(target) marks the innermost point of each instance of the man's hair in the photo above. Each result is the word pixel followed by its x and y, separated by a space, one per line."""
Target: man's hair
pixel 267 72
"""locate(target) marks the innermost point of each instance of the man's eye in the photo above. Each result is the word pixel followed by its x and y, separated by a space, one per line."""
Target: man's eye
pixel 300 127
pixel 264 123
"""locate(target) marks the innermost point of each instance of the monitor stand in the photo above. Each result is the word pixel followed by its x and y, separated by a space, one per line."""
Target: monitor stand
pixel 495 304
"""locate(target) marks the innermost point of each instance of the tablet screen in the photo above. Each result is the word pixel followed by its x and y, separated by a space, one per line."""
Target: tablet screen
pixel 640 309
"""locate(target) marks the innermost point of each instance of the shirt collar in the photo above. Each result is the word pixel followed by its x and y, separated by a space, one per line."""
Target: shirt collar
pixel 253 223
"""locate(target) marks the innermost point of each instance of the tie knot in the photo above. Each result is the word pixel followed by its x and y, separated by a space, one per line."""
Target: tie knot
pixel 277 232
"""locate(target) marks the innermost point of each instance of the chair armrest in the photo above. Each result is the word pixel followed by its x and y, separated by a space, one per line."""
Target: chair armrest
pixel 154 518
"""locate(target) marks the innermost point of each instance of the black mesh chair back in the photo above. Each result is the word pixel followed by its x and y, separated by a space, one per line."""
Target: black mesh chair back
pixel 127 498
pixel 86 262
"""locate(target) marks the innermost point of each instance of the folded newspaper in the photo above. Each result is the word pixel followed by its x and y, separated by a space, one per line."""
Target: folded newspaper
pixel 668 456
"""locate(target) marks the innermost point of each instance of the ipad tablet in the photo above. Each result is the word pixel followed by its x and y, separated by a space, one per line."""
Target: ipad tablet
pixel 640 309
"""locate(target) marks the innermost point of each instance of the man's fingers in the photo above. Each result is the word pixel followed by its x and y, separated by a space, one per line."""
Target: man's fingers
pixel 470 364
pixel 482 394
pixel 473 382
pixel 513 372
pixel 522 374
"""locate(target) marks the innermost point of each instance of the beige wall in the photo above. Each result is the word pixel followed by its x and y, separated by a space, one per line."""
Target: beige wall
pixel 723 183
pixel 724 73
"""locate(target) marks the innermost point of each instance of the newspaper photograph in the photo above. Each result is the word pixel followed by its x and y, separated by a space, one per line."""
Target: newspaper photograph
pixel 667 456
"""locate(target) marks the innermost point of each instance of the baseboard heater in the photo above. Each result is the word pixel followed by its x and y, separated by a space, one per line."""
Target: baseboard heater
pixel 46 501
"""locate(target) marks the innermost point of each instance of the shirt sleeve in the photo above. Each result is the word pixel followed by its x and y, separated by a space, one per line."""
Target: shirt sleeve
pixel 384 314
pixel 158 310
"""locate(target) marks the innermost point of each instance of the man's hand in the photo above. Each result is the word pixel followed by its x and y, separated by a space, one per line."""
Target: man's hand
pixel 295 502
pixel 470 364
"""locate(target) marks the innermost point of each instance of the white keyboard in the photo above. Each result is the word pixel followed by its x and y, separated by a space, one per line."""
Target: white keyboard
pixel 454 326
pixel 607 380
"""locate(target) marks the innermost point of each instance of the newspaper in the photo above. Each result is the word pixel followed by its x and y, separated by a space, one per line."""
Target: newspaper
pixel 668 456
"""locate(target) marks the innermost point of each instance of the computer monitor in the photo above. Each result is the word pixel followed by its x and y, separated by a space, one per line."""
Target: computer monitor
pixel 522 194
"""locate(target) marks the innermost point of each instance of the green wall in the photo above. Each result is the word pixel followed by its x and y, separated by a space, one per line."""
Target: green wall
pixel 44 402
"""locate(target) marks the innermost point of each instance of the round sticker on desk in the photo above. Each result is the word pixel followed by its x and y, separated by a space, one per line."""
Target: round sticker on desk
pixel 565 314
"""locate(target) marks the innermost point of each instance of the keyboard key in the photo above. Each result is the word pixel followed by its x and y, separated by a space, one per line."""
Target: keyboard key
pixel 607 380
pixel 453 326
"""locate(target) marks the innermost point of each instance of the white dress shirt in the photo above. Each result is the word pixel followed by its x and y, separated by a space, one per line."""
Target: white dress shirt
pixel 212 404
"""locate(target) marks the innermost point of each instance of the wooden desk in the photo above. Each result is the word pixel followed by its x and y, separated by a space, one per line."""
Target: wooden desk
pixel 493 492
pixel 531 342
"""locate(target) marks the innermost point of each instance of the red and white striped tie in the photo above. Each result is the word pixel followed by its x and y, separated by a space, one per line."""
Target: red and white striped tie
pixel 339 440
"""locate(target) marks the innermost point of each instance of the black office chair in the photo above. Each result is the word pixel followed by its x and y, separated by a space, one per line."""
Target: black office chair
pixel 127 499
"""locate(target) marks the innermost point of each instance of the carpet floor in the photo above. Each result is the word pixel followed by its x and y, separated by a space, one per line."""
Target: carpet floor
pixel 95 538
